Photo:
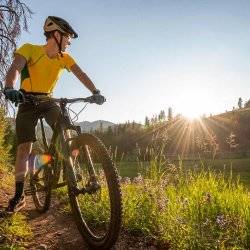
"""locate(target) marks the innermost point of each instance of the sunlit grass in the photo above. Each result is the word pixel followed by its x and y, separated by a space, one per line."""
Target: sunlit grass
pixel 186 209
pixel 14 231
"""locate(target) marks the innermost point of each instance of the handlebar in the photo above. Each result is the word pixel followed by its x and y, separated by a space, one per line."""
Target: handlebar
pixel 34 98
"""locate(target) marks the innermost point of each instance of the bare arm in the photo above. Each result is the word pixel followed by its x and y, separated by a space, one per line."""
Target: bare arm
pixel 77 71
pixel 14 70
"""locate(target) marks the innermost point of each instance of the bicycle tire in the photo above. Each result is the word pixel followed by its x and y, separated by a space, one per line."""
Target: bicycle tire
pixel 111 234
pixel 41 188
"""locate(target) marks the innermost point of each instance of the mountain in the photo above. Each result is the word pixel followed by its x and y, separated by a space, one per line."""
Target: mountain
pixel 85 126
pixel 95 125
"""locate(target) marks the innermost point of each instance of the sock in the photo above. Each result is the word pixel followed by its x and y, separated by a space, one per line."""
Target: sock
pixel 19 189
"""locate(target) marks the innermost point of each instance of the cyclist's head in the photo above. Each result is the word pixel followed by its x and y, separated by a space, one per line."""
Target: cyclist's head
pixel 54 23
pixel 60 30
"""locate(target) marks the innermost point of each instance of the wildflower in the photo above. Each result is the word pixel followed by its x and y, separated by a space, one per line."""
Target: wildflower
pixel 164 182
pixel 206 222
pixel 221 221
pixel 162 202
pixel 138 179
pixel 207 197
pixel 126 180
pixel 119 178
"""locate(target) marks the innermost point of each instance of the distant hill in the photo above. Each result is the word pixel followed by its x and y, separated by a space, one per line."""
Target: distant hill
pixel 85 127
pixel 226 133
pixel 236 122
pixel 95 125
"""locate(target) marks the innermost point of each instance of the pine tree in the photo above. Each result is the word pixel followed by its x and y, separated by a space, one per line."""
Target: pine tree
pixel 147 123
pixel 247 104
pixel 170 114
pixel 161 116
pixel 240 103
pixel 133 125
pixel 110 131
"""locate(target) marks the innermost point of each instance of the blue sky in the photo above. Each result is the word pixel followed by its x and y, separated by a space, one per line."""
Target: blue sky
pixel 146 55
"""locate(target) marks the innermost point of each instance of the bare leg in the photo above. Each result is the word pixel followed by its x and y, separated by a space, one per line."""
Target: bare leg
pixel 32 159
pixel 21 167
pixel 22 160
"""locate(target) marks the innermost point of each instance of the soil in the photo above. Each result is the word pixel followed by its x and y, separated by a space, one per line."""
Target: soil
pixel 56 230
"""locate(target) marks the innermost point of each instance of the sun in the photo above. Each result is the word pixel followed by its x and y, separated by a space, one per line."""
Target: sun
pixel 192 112
pixel 194 104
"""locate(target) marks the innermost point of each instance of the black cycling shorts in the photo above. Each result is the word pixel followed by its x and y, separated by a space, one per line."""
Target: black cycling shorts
pixel 28 115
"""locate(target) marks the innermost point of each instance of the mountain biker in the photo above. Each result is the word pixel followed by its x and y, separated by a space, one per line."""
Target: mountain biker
pixel 40 67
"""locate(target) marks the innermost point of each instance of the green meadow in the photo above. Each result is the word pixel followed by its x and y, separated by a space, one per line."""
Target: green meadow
pixel 240 167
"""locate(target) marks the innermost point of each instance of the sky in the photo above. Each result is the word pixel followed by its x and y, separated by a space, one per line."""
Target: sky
pixel 149 55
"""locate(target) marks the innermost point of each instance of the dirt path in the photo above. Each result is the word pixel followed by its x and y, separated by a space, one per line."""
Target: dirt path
pixel 55 230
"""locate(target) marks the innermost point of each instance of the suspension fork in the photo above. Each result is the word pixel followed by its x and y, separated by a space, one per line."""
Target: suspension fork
pixel 90 165
pixel 92 186
pixel 64 136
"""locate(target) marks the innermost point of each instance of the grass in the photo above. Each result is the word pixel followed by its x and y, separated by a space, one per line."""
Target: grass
pixel 239 167
pixel 194 210
pixel 14 230
pixel 191 209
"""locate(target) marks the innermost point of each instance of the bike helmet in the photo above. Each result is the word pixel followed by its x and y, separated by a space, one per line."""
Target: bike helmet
pixel 53 23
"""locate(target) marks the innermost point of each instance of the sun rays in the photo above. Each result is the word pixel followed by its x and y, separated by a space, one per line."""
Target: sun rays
pixel 185 136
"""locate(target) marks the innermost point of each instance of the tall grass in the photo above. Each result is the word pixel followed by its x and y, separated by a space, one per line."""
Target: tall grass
pixel 184 209
pixel 14 232
pixel 189 210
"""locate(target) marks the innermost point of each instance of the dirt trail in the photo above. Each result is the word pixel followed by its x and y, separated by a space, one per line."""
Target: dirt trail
pixel 55 230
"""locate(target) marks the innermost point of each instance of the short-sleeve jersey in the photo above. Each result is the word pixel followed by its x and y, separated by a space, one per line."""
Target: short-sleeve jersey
pixel 41 73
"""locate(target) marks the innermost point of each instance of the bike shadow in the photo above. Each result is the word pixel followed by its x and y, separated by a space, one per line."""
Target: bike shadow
pixel 32 214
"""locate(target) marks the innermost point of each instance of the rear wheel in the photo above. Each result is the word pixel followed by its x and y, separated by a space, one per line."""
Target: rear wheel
pixel 94 192
pixel 40 188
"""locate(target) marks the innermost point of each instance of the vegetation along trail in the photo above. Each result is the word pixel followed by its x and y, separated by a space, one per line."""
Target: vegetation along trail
pixel 56 229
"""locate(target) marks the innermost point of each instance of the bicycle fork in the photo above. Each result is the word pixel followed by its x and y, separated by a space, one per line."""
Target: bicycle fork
pixel 92 186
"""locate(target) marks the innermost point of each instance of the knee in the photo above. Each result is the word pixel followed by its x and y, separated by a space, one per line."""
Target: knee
pixel 24 150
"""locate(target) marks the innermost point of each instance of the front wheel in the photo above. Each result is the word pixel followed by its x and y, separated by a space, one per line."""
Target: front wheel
pixel 94 192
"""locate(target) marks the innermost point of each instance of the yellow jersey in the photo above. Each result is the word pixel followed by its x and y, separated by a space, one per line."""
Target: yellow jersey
pixel 41 73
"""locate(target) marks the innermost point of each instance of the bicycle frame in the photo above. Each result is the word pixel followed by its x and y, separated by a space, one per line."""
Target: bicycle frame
pixel 61 129
pixel 63 133
pixel 80 177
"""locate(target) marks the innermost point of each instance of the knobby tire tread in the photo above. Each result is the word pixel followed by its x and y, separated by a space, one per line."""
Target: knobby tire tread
pixel 114 189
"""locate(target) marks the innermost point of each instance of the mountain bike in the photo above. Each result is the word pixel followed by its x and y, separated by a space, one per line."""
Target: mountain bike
pixel 80 162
